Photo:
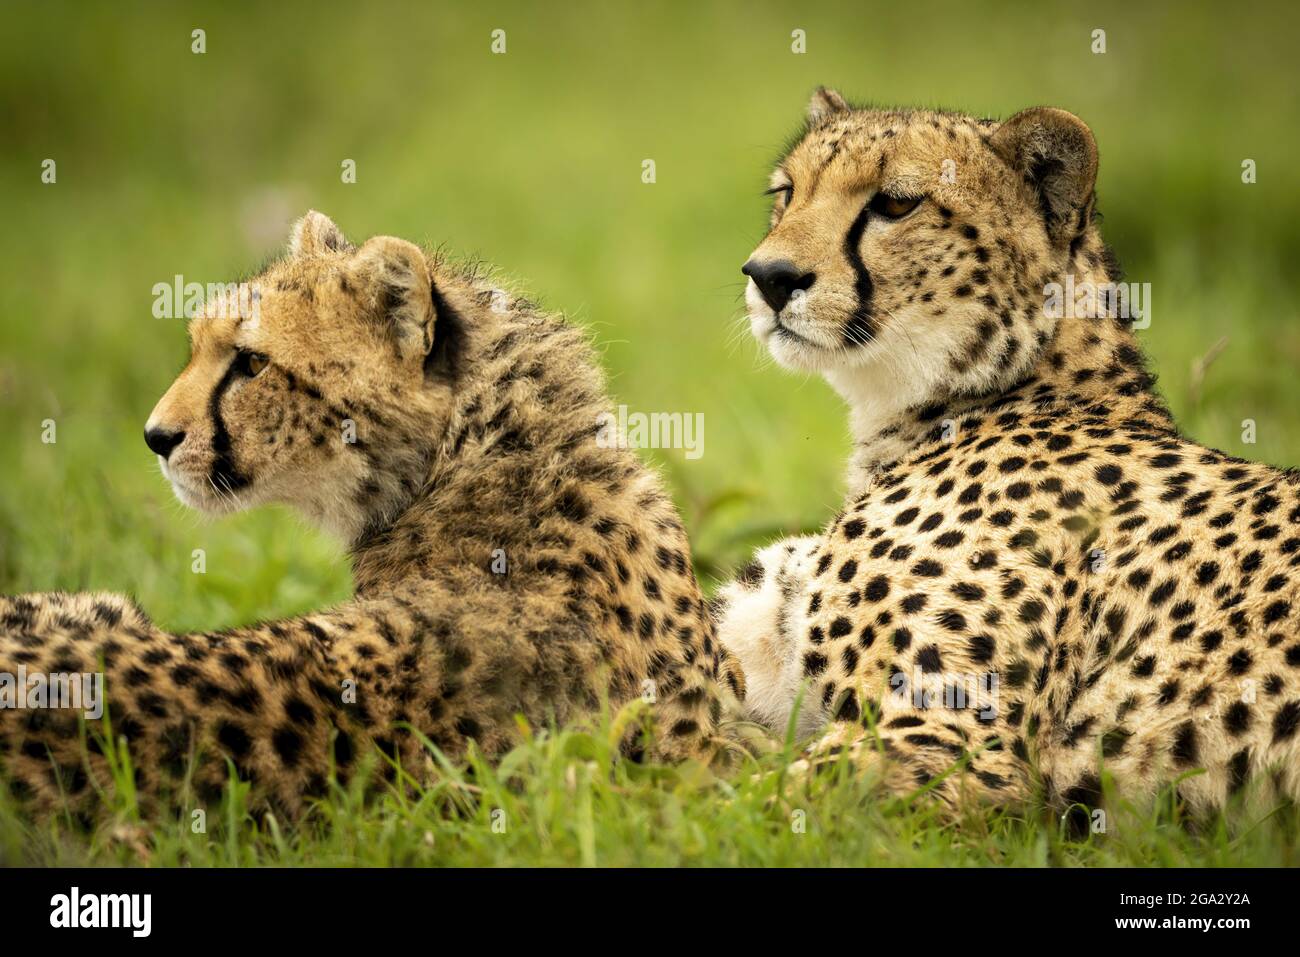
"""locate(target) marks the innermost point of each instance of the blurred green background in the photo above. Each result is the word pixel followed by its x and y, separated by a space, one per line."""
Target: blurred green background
pixel 170 162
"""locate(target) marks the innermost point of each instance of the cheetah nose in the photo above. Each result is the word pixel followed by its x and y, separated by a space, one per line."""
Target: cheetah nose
pixel 777 280
pixel 161 442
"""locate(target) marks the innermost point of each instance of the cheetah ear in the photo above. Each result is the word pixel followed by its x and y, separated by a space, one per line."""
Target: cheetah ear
pixel 315 234
pixel 1056 154
pixel 394 277
pixel 823 103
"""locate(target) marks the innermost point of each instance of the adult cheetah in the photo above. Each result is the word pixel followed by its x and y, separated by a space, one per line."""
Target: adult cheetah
pixel 1025 525
pixel 505 561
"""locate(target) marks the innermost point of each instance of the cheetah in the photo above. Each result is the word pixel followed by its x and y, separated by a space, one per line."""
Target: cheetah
pixel 1035 580
pixel 505 561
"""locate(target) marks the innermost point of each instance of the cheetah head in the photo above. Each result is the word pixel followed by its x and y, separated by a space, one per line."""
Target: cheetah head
pixel 322 383
pixel 908 250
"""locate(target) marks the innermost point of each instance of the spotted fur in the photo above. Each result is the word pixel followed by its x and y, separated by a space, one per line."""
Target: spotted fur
pixel 1021 503
pixel 505 562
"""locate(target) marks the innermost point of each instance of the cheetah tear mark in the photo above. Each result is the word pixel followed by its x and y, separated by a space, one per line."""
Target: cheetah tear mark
pixel 224 475
pixel 860 329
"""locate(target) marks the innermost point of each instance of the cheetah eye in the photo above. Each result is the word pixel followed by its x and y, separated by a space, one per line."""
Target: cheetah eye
pixel 250 363
pixel 785 191
pixel 894 207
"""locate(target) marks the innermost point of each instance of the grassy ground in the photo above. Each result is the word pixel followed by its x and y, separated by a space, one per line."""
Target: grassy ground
pixel 562 798
pixel 172 163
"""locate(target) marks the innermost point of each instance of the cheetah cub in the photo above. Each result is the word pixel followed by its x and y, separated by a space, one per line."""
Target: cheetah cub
pixel 505 561
pixel 1034 574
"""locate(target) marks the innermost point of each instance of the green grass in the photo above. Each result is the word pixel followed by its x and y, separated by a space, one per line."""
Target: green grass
pixel 563 798
pixel 169 162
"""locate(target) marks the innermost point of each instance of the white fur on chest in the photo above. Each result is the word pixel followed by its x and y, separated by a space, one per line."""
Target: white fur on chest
pixel 765 626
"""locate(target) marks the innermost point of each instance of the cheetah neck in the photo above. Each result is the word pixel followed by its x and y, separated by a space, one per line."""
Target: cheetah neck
pixel 1086 362
pixel 518 447
pixel 880 404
